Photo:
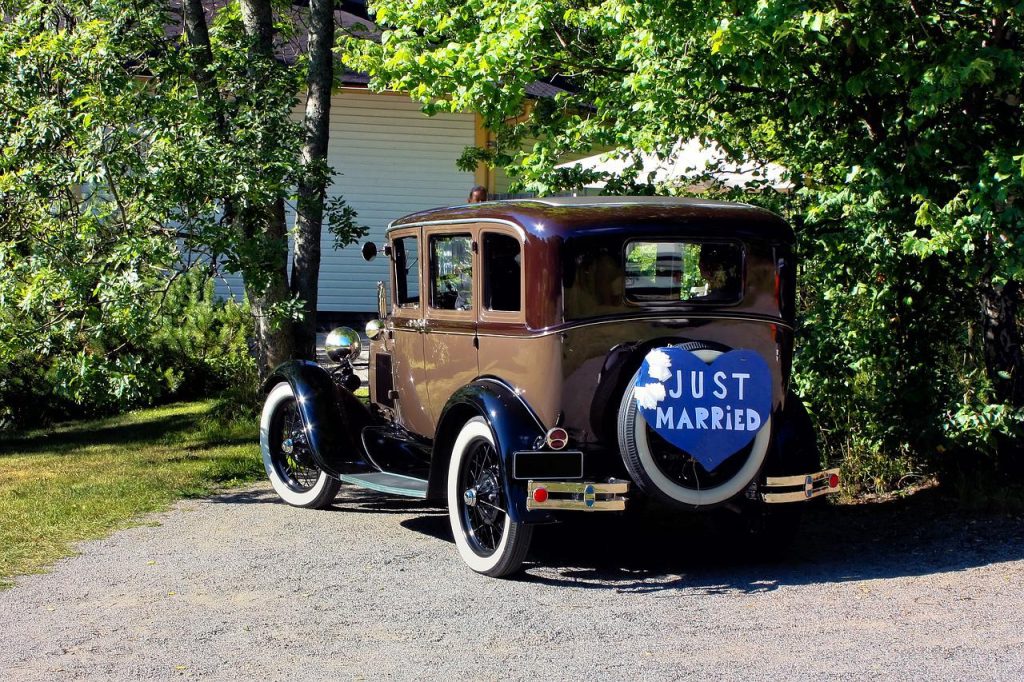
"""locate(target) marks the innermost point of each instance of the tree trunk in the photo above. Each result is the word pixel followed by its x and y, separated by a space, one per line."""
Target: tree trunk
pixel 1003 357
pixel 274 342
pixel 273 338
pixel 313 183
pixel 198 36
pixel 258 21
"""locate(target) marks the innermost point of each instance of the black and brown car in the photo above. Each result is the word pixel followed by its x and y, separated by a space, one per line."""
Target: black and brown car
pixel 541 357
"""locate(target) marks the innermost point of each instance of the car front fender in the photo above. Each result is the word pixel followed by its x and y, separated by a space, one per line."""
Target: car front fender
pixel 332 416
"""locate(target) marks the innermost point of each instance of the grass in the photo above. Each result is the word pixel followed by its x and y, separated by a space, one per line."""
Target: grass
pixel 82 480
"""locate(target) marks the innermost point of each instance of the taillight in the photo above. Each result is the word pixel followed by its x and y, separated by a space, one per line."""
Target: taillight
pixel 556 438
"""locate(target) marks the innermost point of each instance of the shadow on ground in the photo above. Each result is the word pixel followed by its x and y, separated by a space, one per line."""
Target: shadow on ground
pixel 350 500
pixel 656 550
pixel 123 435
pixel 913 536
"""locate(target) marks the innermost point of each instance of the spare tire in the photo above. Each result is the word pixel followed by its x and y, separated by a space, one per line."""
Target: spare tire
pixel 664 471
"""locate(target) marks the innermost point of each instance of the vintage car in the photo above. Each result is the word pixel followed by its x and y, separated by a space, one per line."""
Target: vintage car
pixel 544 357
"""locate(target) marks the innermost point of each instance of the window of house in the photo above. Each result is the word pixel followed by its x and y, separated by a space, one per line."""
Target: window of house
pixel 502 263
pixel 679 271
pixel 407 271
pixel 451 272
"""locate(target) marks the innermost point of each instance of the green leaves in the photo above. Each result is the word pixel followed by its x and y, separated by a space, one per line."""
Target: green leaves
pixel 123 163
pixel 900 125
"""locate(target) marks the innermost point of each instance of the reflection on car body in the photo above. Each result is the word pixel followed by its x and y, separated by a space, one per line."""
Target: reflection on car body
pixel 538 358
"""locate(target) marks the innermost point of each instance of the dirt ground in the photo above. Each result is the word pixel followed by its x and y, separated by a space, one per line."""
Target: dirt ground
pixel 242 585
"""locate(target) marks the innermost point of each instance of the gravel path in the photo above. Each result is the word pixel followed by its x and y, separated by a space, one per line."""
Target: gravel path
pixel 242 586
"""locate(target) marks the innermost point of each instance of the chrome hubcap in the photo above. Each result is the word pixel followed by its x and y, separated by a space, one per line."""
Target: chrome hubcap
pixel 288 446
pixel 469 497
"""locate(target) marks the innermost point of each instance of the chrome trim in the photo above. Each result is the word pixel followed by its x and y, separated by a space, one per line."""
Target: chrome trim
pixel 382 300
pixel 579 496
pixel 457 221
pixel 574 201
pixel 533 333
pixel 572 505
pixel 426 328
pixel 552 441
pixel 681 318
pixel 809 486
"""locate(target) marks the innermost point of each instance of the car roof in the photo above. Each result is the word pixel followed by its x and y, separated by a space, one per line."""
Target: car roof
pixel 578 216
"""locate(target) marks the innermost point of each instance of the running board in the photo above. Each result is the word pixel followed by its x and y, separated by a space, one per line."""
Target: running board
pixel 395 484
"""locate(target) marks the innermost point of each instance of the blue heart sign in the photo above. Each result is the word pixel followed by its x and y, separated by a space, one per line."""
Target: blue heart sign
pixel 709 410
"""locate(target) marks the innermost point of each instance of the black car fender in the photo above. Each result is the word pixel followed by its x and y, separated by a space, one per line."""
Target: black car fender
pixel 514 426
pixel 794 448
pixel 331 415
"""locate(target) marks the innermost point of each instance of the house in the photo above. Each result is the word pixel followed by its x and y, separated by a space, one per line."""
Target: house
pixel 390 160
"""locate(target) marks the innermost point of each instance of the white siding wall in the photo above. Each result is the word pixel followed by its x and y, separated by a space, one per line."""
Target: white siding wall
pixel 390 160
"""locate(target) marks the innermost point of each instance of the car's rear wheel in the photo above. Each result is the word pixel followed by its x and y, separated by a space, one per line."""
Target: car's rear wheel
pixel 488 540
pixel 287 458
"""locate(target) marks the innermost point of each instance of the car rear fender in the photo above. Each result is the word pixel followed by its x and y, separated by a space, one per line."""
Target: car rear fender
pixel 514 426
pixel 794 445
pixel 331 415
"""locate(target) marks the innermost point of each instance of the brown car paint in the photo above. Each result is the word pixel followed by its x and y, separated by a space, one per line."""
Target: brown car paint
pixel 575 310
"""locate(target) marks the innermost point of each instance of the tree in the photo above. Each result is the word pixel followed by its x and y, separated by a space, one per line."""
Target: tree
pixel 131 155
pixel 900 124
pixel 316 176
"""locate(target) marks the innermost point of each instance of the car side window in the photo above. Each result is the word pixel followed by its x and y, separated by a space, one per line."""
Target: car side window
pixel 503 268
pixel 451 272
pixel 407 271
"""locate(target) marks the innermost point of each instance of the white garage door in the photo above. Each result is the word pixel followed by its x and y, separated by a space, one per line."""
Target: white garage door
pixel 390 160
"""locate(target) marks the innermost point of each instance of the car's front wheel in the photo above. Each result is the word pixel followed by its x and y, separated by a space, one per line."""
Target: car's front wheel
pixel 487 539
pixel 287 458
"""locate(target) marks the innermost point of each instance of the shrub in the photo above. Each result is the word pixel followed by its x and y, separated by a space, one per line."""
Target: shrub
pixel 202 341
pixel 193 346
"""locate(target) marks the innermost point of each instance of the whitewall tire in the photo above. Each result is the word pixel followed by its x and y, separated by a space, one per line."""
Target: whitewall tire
pixel 286 457
pixel 643 469
pixel 487 539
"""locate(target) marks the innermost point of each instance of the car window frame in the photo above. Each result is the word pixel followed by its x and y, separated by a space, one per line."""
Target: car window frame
pixel 503 316
pixel 701 240
pixel 441 314
pixel 407 310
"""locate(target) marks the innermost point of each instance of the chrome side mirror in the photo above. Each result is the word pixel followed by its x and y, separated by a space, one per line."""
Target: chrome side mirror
pixel 343 343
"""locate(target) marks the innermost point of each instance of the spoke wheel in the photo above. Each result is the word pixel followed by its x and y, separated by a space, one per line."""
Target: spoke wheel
pixel 286 454
pixel 487 539
pixel 483 505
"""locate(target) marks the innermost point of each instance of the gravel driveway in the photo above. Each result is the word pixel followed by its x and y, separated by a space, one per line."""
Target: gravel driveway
pixel 243 586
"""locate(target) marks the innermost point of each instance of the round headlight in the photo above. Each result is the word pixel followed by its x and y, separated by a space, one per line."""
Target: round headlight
pixel 373 328
pixel 343 343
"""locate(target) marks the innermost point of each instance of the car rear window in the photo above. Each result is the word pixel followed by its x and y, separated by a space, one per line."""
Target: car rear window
pixel 677 271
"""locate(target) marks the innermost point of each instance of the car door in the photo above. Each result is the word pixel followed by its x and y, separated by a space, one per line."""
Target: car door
pixel 450 328
pixel 408 304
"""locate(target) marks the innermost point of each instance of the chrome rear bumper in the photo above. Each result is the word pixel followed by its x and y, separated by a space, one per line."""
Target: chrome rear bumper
pixel 577 495
pixel 778 489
